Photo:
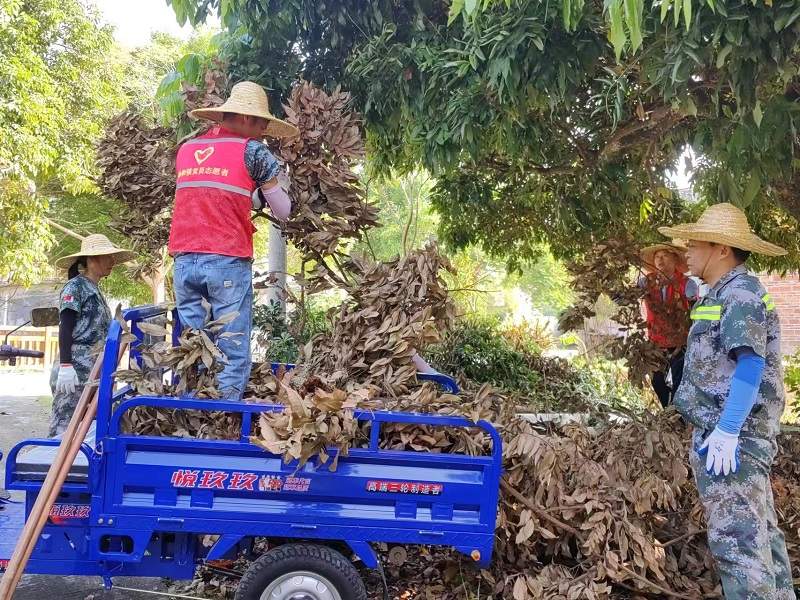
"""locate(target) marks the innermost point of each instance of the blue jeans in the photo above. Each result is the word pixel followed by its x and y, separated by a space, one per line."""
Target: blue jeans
pixel 225 282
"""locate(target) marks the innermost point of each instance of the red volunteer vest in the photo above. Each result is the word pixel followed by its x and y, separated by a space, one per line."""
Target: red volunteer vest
pixel 667 325
pixel 212 197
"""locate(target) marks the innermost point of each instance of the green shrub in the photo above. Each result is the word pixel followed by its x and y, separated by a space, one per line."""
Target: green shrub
pixel 791 379
pixel 280 337
pixel 475 349
pixel 482 351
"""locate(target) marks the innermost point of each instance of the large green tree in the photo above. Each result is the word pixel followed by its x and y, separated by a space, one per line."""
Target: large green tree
pixel 550 120
pixel 57 86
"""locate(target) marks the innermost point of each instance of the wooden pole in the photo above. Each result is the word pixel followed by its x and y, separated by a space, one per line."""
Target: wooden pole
pixel 71 441
pixel 63 229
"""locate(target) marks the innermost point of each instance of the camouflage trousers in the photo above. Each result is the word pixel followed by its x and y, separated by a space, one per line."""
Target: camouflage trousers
pixel 743 533
pixel 63 403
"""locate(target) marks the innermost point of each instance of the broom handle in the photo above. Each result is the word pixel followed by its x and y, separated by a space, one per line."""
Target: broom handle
pixel 71 441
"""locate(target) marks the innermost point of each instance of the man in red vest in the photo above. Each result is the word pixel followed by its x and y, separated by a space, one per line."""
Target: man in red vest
pixel 222 175
pixel 668 297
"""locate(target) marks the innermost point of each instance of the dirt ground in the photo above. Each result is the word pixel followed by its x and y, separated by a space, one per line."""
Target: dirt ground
pixel 24 413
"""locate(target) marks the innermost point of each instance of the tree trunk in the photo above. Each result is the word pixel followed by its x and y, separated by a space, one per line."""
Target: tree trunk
pixel 157 279
pixel 277 267
pixel 157 283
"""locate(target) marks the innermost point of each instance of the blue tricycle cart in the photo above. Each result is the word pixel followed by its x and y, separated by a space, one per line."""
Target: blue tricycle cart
pixel 137 505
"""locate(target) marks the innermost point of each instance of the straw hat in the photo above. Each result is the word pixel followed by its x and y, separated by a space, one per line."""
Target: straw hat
pixel 648 254
pixel 248 98
pixel 96 245
pixel 723 224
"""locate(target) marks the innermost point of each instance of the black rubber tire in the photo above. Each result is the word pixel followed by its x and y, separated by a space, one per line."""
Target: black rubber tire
pixel 302 557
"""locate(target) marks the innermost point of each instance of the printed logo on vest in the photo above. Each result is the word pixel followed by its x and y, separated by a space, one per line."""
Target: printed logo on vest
pixel 203 155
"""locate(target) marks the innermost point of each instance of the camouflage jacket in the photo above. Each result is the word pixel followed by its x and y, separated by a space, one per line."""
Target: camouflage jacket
pixel 736 312
pixel 91 327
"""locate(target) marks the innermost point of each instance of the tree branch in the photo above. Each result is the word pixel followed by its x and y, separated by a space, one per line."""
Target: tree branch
pixel 656 116
pixel 655 586
pixel 538 511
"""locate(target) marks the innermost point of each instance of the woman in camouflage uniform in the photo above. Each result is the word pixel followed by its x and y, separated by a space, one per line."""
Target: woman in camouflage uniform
pixel 732 392
pixel 83 325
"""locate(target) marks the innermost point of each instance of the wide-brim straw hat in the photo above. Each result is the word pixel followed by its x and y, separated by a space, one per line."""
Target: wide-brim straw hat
pixel 96 245
pixel 248 98
pixel 723 224
pixel 648 254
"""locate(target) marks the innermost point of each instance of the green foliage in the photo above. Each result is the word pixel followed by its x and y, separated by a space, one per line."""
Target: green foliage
pixel 548 122
pixel 24 235
pixel 547 282
pixel 187 69
pixel 280 336
pixel 791 379
pixel 481 350
pixel 406 218
pixel 474 349
pixel 611 385
pixel 147 66
pixel 93 213
pixel 57 88
pixel 481 284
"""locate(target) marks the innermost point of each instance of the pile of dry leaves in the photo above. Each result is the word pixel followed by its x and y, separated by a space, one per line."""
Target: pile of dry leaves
pixel 189 367
pixel 317 420
pixel 393 310
pixel 595 509
pixel 598 510
pixel 137 167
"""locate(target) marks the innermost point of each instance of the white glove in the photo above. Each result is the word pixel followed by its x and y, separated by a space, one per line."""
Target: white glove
pixel 722 451
pixel 67 379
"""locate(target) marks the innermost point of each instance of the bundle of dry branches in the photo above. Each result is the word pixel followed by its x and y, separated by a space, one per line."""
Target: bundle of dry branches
pixel 328 202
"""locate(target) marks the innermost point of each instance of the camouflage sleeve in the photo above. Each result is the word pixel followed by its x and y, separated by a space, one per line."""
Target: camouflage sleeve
pixel 261 164
pixel 71 297
pixel 744 322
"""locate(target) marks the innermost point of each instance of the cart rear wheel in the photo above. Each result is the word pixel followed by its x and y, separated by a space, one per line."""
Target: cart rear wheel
pixel 301 572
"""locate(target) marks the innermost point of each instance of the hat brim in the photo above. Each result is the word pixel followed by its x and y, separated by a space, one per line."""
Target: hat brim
pixel 120 256
pixel 276 128
pixel 750 242
pixel 649 252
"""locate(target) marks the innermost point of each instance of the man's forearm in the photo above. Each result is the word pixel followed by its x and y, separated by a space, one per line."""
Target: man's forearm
pixel 744 391
pixel 271 194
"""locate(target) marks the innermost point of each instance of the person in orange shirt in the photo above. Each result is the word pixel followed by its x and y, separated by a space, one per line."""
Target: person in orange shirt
pixel 669 294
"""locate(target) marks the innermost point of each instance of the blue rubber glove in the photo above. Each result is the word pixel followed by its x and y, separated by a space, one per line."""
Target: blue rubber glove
pixel 722 446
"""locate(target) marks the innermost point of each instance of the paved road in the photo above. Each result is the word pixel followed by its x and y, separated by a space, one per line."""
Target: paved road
pixel 24 413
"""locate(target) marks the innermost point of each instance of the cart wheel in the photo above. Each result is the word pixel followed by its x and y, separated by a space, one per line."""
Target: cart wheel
pixel 301 572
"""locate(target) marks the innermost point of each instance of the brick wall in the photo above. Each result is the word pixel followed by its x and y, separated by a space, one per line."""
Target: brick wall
pixel 785 291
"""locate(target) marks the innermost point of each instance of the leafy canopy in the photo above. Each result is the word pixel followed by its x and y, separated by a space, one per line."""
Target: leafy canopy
pixel 549 121
pixel 56 88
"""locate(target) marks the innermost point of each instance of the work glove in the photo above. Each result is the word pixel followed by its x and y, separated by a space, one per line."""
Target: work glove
pixel 721 451
pixel 67 379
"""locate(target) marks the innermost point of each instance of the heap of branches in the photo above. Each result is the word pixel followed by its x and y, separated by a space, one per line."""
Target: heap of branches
pixel 328 203
pixel 587 510
pixel 137 167
pixel 394 310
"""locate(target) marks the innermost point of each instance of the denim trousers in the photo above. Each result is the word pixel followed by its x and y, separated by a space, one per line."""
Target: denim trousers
pixel 226 283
